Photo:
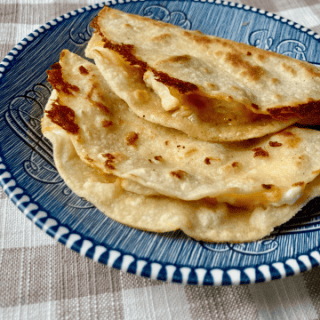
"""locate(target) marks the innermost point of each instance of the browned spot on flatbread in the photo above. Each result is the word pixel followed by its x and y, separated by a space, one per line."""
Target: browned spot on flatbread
pixel 109 156
pixel 131 138
pixel 177 59
pixel 109 164
pixel 275 81
pixel 298 184
pixel 199 38
pixel 142 96
pixel 161 37
pixel 190 152
pixel 253 72
pixel 261 57
pixel 94 22
pixel 289 69
pixel 106 123
pixel 101 106
pixel 275 144
pixel 212 86
pixel 314 71
pixel 300 111
pixel 56 80
pixel 88 158
pixel 259 152
pixel 64 117
pixel 292 140
pixel 83 70
pixel 267 186
pixel 158 158
pixel 235 164
pixel 178 174
pixel 181 86
pixel 208 160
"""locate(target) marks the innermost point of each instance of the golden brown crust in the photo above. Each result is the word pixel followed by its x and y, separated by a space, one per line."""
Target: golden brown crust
pixel 161 37
pixel 63 116
pixel 180 174
pixel 299 111
pixel 253 72
pixel 107 123
pixel 298 184
pixel 55 78
pixel 132 138
pixel 275 144
pixel 259 152
pixel 101 106
pixel 83 70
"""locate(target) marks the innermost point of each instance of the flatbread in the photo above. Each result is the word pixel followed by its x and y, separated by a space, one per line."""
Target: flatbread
pixel 198 219
pixel 210 88
pixel 270 170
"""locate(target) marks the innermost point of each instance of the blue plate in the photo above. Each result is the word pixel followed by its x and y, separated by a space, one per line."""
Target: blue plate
pixel 29 177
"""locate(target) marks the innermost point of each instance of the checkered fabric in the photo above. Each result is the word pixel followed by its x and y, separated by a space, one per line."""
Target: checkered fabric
pixel 42 279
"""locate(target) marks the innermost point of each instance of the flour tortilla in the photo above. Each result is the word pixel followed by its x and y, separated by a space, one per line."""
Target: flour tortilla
pixel 228 91
pixel 198 219
pixel 270 170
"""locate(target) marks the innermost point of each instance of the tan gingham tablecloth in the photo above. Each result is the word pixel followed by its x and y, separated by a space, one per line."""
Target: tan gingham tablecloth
pixel 42 279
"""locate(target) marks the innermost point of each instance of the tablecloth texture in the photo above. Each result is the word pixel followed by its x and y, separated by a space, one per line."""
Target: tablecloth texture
pixel 42 279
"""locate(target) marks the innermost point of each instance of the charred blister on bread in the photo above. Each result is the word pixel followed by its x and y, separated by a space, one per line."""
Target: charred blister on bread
pixel 64 117
pixel 259 152
pixel 132 138
pixel 179 174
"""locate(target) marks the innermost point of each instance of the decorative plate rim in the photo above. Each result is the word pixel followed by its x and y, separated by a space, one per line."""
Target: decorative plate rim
pixel 119 259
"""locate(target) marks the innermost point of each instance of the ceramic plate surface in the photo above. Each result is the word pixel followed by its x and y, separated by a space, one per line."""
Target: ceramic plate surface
pixel 29 177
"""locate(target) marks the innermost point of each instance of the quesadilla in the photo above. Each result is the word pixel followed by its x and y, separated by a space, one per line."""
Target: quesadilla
pixel 155 160
pixel 202 220
pixel 212 89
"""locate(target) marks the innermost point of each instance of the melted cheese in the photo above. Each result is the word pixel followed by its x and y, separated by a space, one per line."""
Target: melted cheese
pixel 168 101
pixel 274 197
pixel 290 197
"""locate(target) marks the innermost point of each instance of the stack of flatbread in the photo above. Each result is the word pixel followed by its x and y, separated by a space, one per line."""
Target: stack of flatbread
pixel 172 129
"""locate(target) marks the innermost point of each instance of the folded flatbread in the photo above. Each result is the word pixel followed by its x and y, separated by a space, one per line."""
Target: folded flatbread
pixel 200 219
pixel 157 160
pixel 210 88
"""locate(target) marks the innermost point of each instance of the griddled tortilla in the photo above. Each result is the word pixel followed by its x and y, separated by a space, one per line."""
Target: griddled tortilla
pixel 210 88
pixel 158 160
pixel 198 219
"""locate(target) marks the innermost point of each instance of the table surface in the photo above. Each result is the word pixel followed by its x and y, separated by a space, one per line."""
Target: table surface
pixel 42 279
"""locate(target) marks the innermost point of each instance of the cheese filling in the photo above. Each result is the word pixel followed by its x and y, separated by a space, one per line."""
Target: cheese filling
pixel 206 109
